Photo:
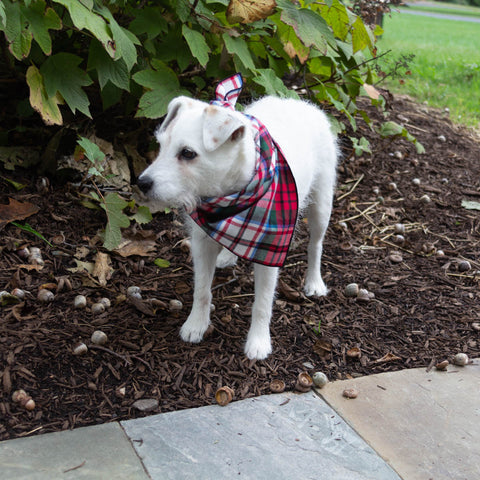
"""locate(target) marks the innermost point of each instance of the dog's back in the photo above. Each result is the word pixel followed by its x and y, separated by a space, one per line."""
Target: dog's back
pixel 303 133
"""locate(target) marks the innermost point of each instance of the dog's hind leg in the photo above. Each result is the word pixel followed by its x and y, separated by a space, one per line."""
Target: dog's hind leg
pixel 204 253
pixel 258 344
pixel 318 218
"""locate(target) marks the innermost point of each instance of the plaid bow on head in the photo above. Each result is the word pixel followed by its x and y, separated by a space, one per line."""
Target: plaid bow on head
pixel 258 222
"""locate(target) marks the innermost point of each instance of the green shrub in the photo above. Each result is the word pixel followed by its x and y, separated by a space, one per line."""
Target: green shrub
pixel 147 52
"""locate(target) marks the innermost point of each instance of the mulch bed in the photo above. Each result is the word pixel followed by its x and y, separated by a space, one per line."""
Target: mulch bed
pixel 425 307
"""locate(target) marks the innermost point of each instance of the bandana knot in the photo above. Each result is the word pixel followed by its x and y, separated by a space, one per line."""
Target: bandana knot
pixel 258 222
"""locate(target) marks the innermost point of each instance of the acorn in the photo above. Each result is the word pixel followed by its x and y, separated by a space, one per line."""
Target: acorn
pixel 99 337
pixel 105 302
pixel 80 301
pixel 350 393
pixel 354 353
pixel 351 290
pixel 98 308
pixel 80 349
pixel 319 379
pixel 175 305
pixel 442 365
pixel 304 382
pixel 23 399
pixel 19 293
pixel 277 386
pixel 134 291
pixel 224 395
pixel 461 359
pixel 45 296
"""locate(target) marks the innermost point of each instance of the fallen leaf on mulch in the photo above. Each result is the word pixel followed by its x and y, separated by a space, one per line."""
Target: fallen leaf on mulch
pixel 389 357
pixel 141 243
pixel 16 210
pixel 102 269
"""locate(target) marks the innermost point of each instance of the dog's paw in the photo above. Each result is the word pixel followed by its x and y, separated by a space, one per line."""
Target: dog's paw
pixel 226 259
pixel 193 330
pixel 315 289
pixel 258 348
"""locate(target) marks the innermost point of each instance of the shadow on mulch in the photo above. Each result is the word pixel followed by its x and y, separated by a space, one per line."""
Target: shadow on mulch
pixel 425 309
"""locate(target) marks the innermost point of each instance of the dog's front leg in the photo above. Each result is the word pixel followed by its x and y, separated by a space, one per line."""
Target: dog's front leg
pixel 258 344
pixel 204 253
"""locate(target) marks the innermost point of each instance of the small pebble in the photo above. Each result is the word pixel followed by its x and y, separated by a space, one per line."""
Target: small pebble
pixel 392 186
pixel 98 308
pixel 399 228
pixel 105 302
pixel 19 293
pixel 398 155
pixel 45 296
pixel 440 253
pixel 80 349
pixel 175 305
pixel 476 326
pixel 395 257
pixel 99 337
pixel 416 181
pixel 363 295
pixel 351 290
pixel 399 239
pixel 80 301
pixel 442 138
pixel 134 291
pixel 464 266
pixel 350 393
pixel 425 199
pixel 146 404
pixel 319 379
pixel 460 359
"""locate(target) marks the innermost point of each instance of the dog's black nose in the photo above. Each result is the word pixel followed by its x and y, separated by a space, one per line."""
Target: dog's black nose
pixel 144 183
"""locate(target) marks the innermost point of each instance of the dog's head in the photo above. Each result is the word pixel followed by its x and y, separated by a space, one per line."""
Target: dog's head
pixel 205 151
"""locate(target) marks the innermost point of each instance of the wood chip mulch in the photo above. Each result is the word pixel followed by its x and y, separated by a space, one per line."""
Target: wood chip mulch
pixel 424 309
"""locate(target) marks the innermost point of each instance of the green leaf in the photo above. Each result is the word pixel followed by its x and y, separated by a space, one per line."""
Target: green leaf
pixel 161 263
pixel 310 27
pixel 197 44
pixel 92 151
pixel 163 85
pixel 115 71
pixel 149 21
pixel 84 18
pixel 27 228
pixel 41 20
pixel 361 146
pixel 393 129
pixel 45 105
pixel 238 47
pixel 336 15
pixel 143 215
pixel 361 36
pixel 16 185
pixel 19 38
pixel 273 85
pixel 61 74
pixel 3 16
pixel 124 40
pixel 116 220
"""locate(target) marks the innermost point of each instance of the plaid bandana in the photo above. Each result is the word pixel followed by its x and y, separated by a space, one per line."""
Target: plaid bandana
pixel 258 222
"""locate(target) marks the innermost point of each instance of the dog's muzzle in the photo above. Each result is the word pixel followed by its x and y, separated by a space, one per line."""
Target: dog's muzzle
pixel 145 183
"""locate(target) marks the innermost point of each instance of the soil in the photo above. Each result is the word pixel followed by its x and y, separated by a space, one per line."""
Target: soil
pixel 424 309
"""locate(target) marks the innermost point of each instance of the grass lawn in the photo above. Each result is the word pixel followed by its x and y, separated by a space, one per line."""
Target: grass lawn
pixel 446 69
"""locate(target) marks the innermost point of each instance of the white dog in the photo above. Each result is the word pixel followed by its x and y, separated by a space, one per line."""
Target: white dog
pixel 207 160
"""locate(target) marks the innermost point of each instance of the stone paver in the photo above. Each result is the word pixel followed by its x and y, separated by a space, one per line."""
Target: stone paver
pixel 426 425
pixel 101 452
pixel 285 436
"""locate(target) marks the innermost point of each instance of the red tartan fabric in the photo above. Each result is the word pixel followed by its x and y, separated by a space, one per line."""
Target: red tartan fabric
pixel 258 222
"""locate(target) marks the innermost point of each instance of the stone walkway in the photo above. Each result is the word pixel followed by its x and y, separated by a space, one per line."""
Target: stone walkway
pixel 405 425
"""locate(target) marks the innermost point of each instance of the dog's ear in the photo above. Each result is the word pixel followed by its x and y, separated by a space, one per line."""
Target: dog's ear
pixel 219 125
pixel 172 111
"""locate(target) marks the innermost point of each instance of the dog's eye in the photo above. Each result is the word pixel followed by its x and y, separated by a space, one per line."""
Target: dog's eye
pixel 187 154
